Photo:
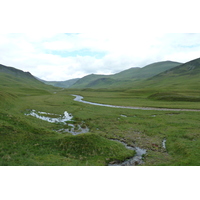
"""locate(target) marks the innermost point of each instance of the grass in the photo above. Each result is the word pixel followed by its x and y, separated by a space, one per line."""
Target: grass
pixel 144 98
pixel 174 97
pixel 146 129
pixel 25 140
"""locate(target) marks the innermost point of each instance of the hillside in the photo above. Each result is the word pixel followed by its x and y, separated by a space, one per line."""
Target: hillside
pixel 86 80
pixel 15 72
pixel 28 141
pixel 156 68
pixel 185 76
pixel 124 78
pixel 62 84
pixel 190 68
pixel 17 81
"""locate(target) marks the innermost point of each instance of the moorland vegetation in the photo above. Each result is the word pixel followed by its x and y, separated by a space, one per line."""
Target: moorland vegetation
pixel 26 140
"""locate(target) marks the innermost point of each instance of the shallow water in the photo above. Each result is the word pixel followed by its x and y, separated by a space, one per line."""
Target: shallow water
pixel 75 130
pixel 79 99
pixel 78 129
pixel 164 143
pixel 61 118
pixel 66 117
pixel 136 160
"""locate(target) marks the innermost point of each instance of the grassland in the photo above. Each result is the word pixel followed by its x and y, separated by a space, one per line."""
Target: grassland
pixel 146 129
pixel 25 140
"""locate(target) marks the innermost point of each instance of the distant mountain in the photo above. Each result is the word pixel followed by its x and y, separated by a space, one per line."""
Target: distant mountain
pixel 156 68
pixel 147 71
pixel 124 78
pixel 185 76
pixel 126 74
pixel 62 84
pixel 86 80
pixel 190 68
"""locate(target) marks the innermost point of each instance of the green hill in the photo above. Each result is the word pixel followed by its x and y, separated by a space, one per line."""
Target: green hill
pixel 124 78
pixel 156 68
pixel 190 68
pixel 86 80
pixel 26 140
pixel 62 84
pixel 181 83
pixel 18 82
pixel 127 74
pixel 182 77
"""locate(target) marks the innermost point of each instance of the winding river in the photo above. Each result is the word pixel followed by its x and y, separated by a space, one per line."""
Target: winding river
pixel 138 158
pixel 80 99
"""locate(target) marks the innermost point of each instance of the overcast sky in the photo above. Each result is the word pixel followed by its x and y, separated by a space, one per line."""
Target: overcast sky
pixel 59 40
pixel 65 56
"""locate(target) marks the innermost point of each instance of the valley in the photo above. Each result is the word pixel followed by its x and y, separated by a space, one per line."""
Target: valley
pixel 169 133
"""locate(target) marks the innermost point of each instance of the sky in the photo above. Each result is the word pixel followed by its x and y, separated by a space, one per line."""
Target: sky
pixel 64 56
pixel 59 40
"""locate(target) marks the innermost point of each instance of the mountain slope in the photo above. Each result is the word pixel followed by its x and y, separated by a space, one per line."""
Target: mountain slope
pixel 126 74
pixel 62 84
pixel 189 68
pixel 16 72
pixel 156 68
pixel 16 81
pixel 182 77
pixel 86 80
pixel 124 78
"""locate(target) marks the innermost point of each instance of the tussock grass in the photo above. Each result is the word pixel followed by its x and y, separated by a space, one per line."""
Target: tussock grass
pixel 25 140
pixel 174 97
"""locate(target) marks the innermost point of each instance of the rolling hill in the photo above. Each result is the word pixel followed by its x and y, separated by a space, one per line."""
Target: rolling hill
pixel 16 72
pixel 62 84
pixel 181 83
pixel 16 81
pixel 190 68
pixel 124 78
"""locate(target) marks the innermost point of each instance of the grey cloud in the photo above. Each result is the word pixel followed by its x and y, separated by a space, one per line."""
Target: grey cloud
pixel 29 52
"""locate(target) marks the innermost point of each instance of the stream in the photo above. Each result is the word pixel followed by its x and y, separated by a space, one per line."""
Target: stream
pixel 79 99
pixel 66 117
pixel 136 160
pixel 78 129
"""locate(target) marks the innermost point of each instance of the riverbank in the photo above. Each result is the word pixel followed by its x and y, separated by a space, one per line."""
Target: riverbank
pixel 79 99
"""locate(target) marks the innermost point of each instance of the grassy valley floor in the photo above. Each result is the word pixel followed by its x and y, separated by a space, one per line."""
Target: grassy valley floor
pixel 25 140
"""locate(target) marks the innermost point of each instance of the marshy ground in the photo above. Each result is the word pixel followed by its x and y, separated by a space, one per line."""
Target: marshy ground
pixel 26 140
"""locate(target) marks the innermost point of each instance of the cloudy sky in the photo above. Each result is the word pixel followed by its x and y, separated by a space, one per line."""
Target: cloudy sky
pixel 59 40
pixel 63 56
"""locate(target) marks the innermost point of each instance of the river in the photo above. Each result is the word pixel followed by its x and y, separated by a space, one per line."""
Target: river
pixel 80 99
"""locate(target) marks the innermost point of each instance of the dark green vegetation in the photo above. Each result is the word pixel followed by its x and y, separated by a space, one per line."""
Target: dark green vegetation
pixel 25 140
pixel 119 80
pixel 125 78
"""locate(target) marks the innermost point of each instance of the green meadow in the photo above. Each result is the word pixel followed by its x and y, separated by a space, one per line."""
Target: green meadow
pixel 26 140
pixel 171 138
